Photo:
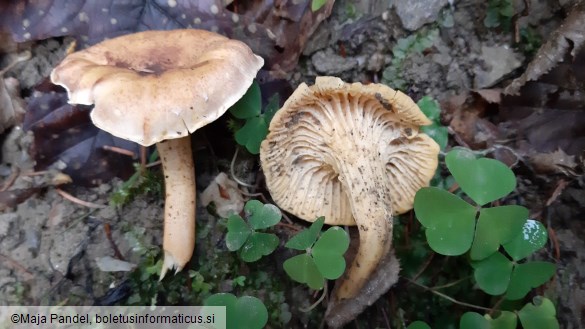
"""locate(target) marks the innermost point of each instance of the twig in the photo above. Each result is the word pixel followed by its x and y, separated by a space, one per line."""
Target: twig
pixel 555 242
pixel 11 179
pixel 35 173
pixel 17 266
pixel 453 187
pixel 305 310
pixel 108 231
pixel 142 158
pixel 559 188
pixel 386 318
pixel 78 201
pixel 449 298
pixel 119 150
pixel 152 164
pixel 289 226
pixel 424 266
pixel 249 194
pixel 21 58
pixel 497 305
pixel 516 19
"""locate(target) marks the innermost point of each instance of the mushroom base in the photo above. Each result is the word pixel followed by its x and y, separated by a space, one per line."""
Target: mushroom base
pixel 179 217
pixel 341 312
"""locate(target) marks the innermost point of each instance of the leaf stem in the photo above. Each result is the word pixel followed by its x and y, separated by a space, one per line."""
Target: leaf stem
pixel 305 310
pixel 449 298
pixel 447 285
pixel 232 171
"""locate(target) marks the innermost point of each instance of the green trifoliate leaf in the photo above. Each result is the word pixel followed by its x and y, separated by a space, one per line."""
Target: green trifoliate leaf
pixel 532 237
pixel 249 105
pixel 449 221
pixel 262 215
pixel 493 273
pixel 496 226
pixel 540 315
pixel 238 232
pixel 258 245
pixel 527 276
pixel 305 238
pixel 328 252
pixel 252 134
pixel 302 268
pixel 483 180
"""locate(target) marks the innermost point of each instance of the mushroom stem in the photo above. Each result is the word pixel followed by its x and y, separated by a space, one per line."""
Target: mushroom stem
pixel 369 193
pixel 179 218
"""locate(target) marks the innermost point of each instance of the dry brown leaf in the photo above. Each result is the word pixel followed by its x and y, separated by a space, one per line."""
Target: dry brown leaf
pixel 491 95
pixel 226 196
pixel 557 162
pixel 467 123
pixel 568 38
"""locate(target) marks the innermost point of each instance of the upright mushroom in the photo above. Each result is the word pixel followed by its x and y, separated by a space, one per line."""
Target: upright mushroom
pixel 351 153
pixel 157 87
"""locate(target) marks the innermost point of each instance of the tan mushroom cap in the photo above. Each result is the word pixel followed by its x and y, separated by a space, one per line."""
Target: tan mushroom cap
pixel 301 154
pixel 151 86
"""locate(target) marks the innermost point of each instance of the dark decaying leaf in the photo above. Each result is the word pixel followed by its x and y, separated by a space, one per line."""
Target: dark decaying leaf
pixel 565 42
pixel 64 133
pixel 11 105
pixel 549 114
pixel 276 30
pixel 12 198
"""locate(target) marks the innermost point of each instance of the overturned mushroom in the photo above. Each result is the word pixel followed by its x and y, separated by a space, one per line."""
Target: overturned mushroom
pixel 157 87
pixel 351 153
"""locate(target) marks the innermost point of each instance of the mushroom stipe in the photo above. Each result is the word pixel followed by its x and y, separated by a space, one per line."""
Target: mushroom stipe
pixel 157 87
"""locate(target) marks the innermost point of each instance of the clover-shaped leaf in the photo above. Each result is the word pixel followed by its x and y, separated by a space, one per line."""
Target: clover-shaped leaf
pixel 249 105
pixel 238 232
pixel 496 226
pixel 317 4
pixel 449 220
pixel 302 268
pixel 532 237
pixel 242 236
pixel 258 245
pixel 306 238
pixel 418 325
pixel 252 134
pixel 436 131
pixel 323 259
pixel 539 315
pixel 243 312
pixel 493 274
pixel 262 215
pixel 255 128
pixel 328 252
pixel 527 276
pixel 483 180
pixel 497 275
pixel 271 107
pixel 430 108
pixel 472 320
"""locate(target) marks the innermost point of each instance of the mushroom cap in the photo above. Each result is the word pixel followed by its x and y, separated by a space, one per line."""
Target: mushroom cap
pixel 300 156
pixel 156 85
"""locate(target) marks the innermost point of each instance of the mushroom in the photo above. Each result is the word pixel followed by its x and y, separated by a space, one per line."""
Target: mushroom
pixel 157 87
pixel 352 153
